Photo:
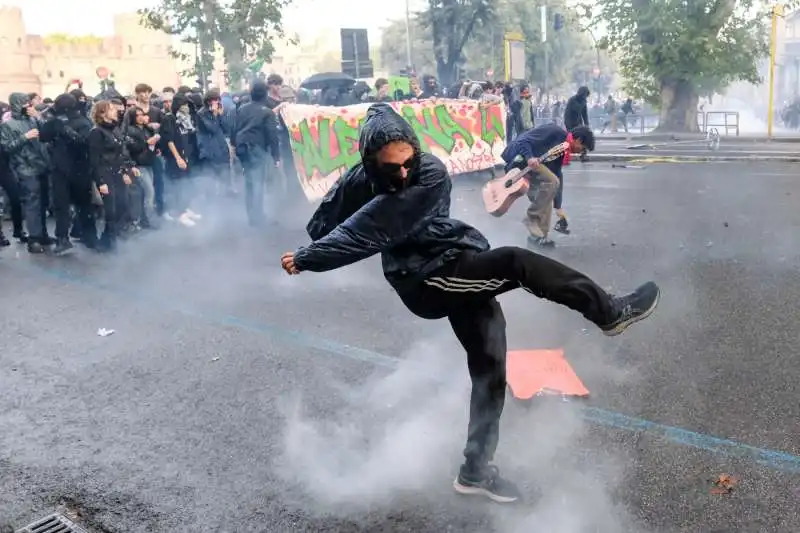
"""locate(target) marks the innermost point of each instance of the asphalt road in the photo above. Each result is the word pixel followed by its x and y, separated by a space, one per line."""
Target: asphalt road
pixel 232 398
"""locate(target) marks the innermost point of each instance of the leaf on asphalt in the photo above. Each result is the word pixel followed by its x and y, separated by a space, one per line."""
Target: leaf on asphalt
pixel 724 484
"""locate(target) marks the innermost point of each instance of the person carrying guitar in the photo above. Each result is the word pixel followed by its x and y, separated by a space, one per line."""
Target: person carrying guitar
pixel 539 146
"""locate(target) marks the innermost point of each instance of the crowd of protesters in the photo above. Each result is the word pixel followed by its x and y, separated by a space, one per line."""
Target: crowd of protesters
pixel 111 166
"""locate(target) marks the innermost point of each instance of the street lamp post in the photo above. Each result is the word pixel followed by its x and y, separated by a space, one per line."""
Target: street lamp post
pixel 408 34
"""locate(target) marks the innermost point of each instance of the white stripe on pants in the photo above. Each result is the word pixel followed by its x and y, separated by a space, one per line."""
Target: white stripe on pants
pixel 450 284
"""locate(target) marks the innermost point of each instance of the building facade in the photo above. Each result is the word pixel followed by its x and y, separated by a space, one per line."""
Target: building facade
pixel 33 63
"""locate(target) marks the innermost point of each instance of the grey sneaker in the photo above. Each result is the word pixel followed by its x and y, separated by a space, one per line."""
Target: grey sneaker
pixel 632 308
pixel 488 483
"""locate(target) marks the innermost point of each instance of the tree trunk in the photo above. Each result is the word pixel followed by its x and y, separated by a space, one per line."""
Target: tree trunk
pixel 679 101
pixel 446 72
pixel 234 62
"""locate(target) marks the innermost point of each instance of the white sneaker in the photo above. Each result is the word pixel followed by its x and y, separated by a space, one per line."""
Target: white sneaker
pixel 191 214
pixel 186 220
pixel 169 217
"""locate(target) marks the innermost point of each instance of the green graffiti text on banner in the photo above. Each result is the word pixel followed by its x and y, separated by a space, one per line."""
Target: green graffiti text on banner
pixel 467 136
pixel 492 128
pixel 443 133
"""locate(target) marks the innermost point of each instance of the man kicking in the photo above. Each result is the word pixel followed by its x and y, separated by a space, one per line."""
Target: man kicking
pixel 397 202
pixel 526 150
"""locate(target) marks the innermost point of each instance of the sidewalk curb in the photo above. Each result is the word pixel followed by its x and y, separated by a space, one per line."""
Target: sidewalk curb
pixel 658 139
pixel 638 158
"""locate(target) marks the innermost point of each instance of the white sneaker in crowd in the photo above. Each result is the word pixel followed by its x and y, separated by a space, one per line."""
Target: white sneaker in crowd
pixel 186 220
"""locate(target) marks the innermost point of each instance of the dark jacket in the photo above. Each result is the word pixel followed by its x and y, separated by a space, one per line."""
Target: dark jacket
pixel 364 213
pixel 67 132
pixel 26 157
pixel 136 142
pixel 107 155
pixel 184 139
pixel 211 144
pixel 576 113
pixel 256 128
pixel 534 143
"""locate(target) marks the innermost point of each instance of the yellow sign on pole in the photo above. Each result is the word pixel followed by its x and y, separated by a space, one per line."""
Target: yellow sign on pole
pixel 514 55
pixel 777 11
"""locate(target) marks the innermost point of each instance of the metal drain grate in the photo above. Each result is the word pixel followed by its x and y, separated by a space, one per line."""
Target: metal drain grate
pixel 55 523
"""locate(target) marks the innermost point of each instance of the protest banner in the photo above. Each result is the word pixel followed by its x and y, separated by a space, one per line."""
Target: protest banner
pixel 466 135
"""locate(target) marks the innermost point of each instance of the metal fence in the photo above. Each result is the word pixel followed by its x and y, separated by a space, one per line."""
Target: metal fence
pixel 726 122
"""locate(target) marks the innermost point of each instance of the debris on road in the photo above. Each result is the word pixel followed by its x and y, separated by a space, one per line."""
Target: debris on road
pixel 214 359
pixel 725 224
pixel 724 484
pixel 632 167
pixel 103 332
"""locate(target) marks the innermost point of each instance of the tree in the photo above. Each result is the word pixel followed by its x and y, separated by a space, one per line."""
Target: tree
pixel 572 55
pixel 452 23
pixel 393 55
pixel 244 29
pixel 671 51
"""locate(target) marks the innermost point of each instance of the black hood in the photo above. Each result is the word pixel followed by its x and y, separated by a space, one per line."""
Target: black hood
pixel 583 93
pixel 178 101
pixel 381 127
pixel 17 102
pixel 65 104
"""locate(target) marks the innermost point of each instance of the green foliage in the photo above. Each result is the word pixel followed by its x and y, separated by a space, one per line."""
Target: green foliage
pixel 573 56
pixel 452 23
pixel 63 38
pixel 244 28
pixel 700 45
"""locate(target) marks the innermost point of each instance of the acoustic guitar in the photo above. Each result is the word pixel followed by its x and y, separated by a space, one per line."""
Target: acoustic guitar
pixel 500 193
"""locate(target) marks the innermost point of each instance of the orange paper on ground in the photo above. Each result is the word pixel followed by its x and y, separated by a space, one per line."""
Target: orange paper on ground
pixel 529 372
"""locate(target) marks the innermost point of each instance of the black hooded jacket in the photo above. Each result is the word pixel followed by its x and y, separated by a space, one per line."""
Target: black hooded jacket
pixel 67 132
pixel 108 157
pixel 26 157
pixel 256 126
pixel 576 112
pixel 364 213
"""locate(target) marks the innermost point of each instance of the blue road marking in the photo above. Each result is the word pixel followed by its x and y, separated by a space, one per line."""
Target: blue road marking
pixel 773 459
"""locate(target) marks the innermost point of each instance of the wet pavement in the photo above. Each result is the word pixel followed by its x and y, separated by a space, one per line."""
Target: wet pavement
pixel 232 398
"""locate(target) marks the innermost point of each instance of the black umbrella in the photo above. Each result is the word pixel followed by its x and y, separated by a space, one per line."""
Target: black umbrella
pixel 327 80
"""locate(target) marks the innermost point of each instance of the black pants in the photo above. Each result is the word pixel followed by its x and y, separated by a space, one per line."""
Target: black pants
pixel 559 198
pixel 115 207
pixel 35 195
pixel 464 291
pixel 256 164
pixel 158 184
pixel 71 190
pixel 10 184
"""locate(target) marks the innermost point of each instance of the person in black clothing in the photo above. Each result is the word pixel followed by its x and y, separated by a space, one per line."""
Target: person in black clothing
pixel 214 154
pixel 141 143
pixel 67 132
pixel 396 202
pixel 254 137
pixel 28 160
pixel 576 113
pixel 179 133
pixel 110 170
pixel 9 183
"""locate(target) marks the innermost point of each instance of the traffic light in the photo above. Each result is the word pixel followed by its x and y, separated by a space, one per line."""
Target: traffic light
pixel 558 21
